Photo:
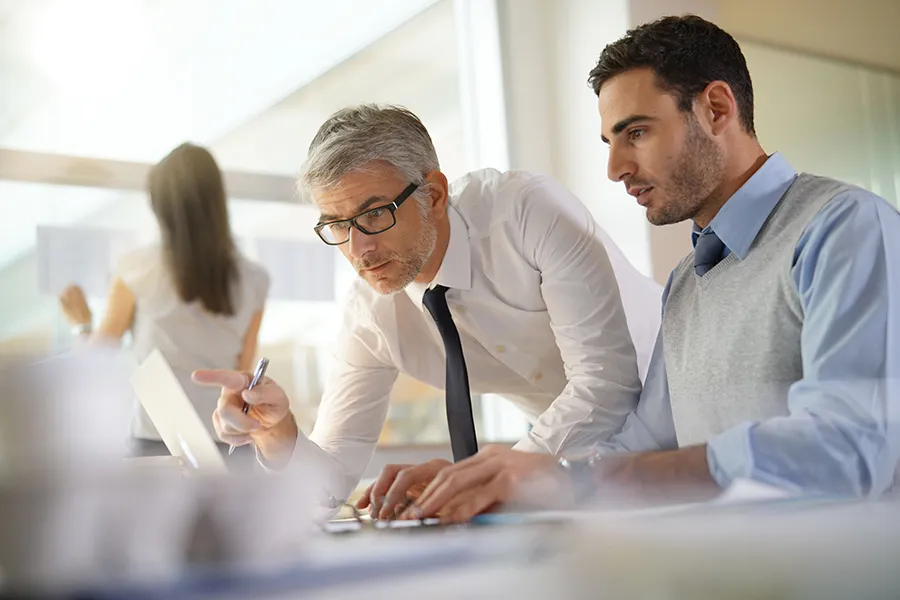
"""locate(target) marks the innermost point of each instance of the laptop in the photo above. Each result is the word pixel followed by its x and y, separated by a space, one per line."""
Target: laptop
pixel 174 416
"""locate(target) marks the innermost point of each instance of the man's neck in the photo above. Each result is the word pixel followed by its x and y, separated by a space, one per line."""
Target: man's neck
pixel 743 165
pixel 431 268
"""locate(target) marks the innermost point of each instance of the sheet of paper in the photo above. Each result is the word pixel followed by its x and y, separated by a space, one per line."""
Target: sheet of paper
pixel 80 255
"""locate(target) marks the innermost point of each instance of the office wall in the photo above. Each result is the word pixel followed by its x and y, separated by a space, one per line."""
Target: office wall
pixel 857 31
pixel 829 117
pixel 549 48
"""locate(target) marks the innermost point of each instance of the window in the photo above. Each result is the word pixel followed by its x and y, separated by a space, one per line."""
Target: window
pixel 252 83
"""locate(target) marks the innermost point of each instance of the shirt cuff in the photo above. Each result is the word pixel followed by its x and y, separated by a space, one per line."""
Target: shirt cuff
pixel 528 444
pixel 268 467
pixel 328 504
pixel 729 455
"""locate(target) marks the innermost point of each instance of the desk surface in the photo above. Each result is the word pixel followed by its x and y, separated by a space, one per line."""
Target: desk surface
pixel 784 548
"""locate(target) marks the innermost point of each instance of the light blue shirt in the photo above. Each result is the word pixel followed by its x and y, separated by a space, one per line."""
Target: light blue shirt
pixel 842 435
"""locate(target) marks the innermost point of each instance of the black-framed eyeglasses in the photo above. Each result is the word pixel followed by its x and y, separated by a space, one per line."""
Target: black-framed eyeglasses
pixel 373 221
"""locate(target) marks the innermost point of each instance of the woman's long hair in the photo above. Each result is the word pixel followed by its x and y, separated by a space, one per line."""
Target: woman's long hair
pixel 188 197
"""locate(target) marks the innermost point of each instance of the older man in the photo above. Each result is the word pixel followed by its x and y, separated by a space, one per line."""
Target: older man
pixel 501 283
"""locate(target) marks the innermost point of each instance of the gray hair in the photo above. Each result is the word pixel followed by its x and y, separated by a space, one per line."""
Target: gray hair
pixel 352 138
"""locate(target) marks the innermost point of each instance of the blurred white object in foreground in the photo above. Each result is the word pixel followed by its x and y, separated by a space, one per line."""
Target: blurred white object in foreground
pixel 63 414
pixel 74 513
pixel 787 548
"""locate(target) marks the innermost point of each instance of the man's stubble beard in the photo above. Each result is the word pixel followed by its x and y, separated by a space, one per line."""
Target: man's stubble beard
pixel 411 265
pixel 697 174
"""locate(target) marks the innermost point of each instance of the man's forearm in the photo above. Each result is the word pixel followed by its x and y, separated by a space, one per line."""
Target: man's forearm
pixel 671 475
pixel 277 443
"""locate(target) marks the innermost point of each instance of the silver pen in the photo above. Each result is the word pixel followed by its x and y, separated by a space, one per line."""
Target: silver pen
pixel 258 374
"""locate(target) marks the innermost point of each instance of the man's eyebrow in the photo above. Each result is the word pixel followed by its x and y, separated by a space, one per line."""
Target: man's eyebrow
pixel 624 123
pixel 327 218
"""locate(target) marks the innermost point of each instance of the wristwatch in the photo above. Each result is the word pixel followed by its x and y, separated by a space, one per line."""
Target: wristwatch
pixel 81 329
pixel 580 469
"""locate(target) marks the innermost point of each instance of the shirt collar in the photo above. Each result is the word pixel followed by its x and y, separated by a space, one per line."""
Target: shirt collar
pixel 739 220
pixel 456 268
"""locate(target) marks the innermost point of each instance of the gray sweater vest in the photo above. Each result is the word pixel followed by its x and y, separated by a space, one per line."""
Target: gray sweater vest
pixel 732 337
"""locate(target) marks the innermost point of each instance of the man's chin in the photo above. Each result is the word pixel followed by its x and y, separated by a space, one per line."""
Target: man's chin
pixel 656 219
pixel 385 289
pixel 382 285
pixel 661 217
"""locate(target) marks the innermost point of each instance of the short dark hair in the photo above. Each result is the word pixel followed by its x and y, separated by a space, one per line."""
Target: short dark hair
pixel 686 54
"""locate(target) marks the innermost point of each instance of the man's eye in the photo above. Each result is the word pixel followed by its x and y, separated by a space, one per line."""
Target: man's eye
pixel 635 134
pixel 375 213
pixel 340 226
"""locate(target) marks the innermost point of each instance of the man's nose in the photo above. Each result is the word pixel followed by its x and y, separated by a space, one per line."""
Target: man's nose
pixel 359 243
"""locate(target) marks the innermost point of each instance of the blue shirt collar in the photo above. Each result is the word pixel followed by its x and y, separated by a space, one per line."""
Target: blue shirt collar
pixel 742 216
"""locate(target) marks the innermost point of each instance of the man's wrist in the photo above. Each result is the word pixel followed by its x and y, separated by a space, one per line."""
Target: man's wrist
pixel 276 444
pixel 580 470
pixel 80 329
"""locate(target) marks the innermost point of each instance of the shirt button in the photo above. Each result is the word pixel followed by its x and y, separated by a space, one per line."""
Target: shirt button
pixel 500 349
pixel 538 376
pixel 460 309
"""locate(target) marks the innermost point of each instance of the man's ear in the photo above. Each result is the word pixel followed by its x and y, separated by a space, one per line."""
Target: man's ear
pixel 439 191
pixel 717 107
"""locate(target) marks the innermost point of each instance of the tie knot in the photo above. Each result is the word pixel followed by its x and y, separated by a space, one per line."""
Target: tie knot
pixel 438 290
pixel 708 251
pixel 435 300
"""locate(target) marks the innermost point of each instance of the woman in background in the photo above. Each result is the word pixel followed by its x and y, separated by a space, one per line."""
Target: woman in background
pixel 194 297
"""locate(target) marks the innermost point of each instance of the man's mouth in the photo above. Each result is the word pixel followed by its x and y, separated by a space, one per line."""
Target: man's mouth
pixel 641 193
pixel 375 269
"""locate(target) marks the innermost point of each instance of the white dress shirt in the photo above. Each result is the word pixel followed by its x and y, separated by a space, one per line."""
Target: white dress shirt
pixel 535 294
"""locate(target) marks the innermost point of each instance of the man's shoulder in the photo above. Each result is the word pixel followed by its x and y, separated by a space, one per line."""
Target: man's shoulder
pixel 488 196
pixel 833 202
pixel 808 187
pixel 491 185
pixel 829 190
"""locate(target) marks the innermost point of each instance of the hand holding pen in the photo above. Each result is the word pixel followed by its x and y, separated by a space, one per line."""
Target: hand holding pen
pixel 258 374
pixel 270 426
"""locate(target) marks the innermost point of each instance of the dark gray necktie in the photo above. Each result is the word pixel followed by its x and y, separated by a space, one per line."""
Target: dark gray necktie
pixel 708 251
pixel 458 399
